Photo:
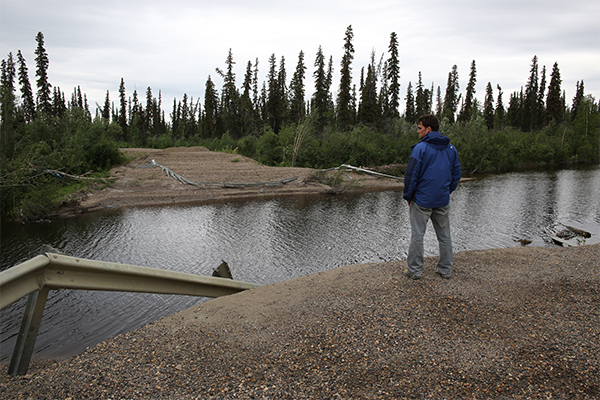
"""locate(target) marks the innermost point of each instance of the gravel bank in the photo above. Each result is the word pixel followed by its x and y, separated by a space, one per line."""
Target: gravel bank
pixel 511 323
pixel 137 187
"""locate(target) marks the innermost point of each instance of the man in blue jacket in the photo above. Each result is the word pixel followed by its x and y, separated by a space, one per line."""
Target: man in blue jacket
pixel 432 173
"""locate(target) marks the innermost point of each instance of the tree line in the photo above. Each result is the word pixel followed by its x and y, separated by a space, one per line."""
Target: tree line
pixel 277 123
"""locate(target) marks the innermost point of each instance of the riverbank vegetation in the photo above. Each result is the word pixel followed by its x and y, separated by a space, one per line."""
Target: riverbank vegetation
pixel 49 143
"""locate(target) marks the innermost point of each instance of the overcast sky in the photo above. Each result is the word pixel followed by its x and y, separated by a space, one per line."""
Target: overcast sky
pixel 173 46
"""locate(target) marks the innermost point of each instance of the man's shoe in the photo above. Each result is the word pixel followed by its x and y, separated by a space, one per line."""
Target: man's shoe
pixel 445 276
pixel 411 276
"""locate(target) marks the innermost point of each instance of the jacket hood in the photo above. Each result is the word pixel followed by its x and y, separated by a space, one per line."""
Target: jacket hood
pixel 436 139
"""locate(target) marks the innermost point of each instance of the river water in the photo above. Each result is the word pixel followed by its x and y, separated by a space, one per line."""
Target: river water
pixel 272 240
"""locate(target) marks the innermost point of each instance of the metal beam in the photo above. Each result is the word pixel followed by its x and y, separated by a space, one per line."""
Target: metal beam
pixel 66 272
pixel 57 271
pixel 19 281
pixel 32 317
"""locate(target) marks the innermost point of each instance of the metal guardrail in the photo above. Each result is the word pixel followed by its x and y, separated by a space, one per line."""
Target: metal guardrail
pixel 49 271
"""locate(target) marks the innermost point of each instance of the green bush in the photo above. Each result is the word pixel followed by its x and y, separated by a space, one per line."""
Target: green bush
pixel 247 146
pixel 103 155
pixel 268 149
pixel 161 142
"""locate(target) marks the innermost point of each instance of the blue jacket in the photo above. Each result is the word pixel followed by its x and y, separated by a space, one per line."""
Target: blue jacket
pixel 433 171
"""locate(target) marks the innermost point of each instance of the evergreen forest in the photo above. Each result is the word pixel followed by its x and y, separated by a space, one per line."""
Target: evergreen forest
pixel 47 136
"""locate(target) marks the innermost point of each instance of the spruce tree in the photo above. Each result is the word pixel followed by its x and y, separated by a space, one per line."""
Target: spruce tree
pixel 58 103
pixel 488 106
pixel 7 106
pixel 8 78
pixel 184 116
pixel 247 85
pixel 320 95
pixel 136 110
pixel 384 97
pixel 362 78
pixel 44 93
pixel 77 98
pixel 393 76
pixel 577 100
pixel 122 108
pixel 368 109
pixel 191 126
pixel 106 108
pixel 149 114
pixel 248 118
pixel 411 113
pixel 540 111
pixel 421 99
pixel 262 103
pixel 255 91
pixel 273 97
pixel 344 113
pixel 530 101
pixel 452 96
pixel 179 118
pixel 229 99
pixel 28 104
pixel 328 83
pixel 554 108
pixel 430 99
pixel 298 106
pixel 468 107
pixel 159 118
pixel 515 109
pixel 500 112
pixel 175 117
pixel 211 110
pixel 80 101
pixel 439 103
pixel 354 103
pixel 282 91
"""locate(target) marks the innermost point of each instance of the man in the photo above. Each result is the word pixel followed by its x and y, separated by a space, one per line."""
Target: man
pixel 432 173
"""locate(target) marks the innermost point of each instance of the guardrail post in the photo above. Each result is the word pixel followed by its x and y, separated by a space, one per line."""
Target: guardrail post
pixel 43 273
pixel 32 317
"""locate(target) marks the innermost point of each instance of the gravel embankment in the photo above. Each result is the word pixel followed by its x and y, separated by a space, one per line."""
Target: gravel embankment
pixel 243 178
pixel 512 323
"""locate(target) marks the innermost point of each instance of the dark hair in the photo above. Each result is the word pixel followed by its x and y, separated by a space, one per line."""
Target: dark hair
pixel 431 121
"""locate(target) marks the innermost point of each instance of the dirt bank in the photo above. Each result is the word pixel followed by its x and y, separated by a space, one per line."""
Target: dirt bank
pixel 515 323
pixel 220 176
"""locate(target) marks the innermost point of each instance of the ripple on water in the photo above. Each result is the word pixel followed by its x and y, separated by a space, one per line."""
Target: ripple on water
pixel 269 241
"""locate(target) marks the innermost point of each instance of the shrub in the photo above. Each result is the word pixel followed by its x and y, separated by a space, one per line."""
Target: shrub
pixel 104 155
pixel 269 151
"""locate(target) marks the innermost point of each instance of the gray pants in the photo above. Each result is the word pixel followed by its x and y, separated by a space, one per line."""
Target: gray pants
pixel 441 223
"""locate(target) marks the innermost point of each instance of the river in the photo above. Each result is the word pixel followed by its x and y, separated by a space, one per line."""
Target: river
pixel 269 241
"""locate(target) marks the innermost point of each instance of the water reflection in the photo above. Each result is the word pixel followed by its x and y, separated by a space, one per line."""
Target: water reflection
pixel 275 240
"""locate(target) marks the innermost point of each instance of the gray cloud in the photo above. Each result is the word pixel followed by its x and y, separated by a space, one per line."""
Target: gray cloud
pixel 174 46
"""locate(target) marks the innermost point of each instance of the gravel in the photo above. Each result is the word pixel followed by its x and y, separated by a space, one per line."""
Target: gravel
pixel 513 323
pixel 134 186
